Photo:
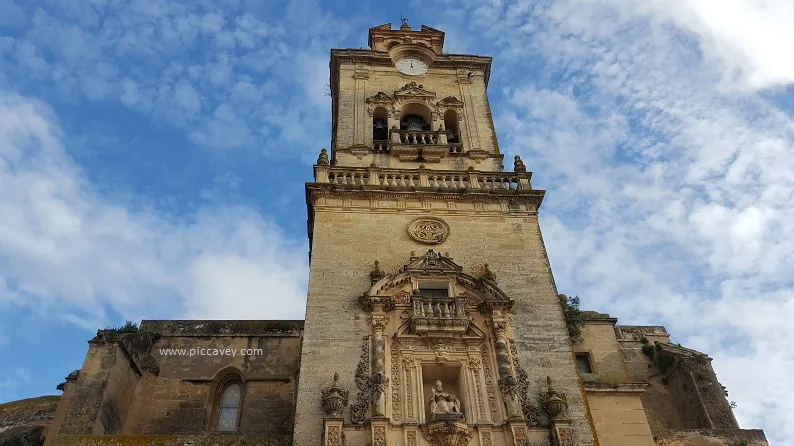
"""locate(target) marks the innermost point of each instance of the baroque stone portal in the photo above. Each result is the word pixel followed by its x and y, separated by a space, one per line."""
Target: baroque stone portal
pixel 444 405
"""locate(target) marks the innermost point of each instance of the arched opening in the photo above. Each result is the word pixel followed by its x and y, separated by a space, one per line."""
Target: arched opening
pixel 415 118
pixel 451 126
pixel 380 125
pixel 229 406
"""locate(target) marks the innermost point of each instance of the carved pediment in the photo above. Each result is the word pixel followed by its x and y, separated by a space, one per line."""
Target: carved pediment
pixel 414 90
pixel 380 98
pixel 432 261
pixel 450 102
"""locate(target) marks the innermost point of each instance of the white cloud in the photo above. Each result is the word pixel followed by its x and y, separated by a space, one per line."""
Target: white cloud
pixel 669 195
pixel 67 249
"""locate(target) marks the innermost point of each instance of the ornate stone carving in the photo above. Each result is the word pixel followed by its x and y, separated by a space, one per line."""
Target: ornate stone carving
pixel 447 433
pixel 429 230
pixel 379 99
pixel 395 387
pixel 334 437
pixel 490 388
pixel 411 441
pixel 531 413
pixel 408 364
pixel 334 398
pixel 380 436
pixel 402 298
pixel 379 380
pixel 474 365
pixel 553 401
pixel 358 410
pixel 564 436
pixel 450 102
pixel 412 90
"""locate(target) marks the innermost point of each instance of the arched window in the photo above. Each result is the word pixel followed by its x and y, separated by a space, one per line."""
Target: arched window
pixel 380 124
pixel 451 126
pixel 229 407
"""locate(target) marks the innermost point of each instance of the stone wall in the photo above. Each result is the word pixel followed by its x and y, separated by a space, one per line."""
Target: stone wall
pixel 349 237
pixel 25 422
pixel 151 383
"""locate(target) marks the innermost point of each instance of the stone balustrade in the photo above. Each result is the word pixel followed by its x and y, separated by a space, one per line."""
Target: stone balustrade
pixel 428 137
pixel 434 313
pixel 422 178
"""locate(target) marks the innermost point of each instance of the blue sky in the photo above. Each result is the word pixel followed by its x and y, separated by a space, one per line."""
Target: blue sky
pixel 153 154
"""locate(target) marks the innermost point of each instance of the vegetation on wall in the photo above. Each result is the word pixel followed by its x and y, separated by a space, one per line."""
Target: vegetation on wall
pixel 660 358
pixel 127 327
pixel 574 318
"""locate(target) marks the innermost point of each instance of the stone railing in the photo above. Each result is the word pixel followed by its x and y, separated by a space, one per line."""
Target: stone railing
pixel 437 179
pixel 434 313
pixel 428 137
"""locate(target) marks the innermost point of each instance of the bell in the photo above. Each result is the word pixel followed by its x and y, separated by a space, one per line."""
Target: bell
pixel 380 132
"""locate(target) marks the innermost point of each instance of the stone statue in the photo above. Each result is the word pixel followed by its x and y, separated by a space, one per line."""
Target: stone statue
pixel 442 403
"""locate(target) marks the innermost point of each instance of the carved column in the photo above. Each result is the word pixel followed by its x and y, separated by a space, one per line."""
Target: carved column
pixel 507 382
pixel 379 379
pixel 410 391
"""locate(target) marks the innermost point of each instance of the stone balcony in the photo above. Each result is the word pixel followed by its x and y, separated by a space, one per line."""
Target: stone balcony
pixel 435 314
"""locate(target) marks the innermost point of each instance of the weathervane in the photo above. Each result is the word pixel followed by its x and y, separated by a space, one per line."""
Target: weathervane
pixel 403 19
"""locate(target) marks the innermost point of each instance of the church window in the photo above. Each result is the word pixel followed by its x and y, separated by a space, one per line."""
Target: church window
pixel 583 362
pixel 415 118
pixel 229 407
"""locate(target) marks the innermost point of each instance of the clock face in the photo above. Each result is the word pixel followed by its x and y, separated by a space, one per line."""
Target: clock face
pixel 411 66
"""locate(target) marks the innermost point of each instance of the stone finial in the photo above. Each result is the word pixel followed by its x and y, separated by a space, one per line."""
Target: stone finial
pixel 553 401
pixel 518 165
pixel 323 158
pixel 334 398
pixel 376 274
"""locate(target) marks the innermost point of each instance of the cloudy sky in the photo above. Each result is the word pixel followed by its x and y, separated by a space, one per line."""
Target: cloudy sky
pixel 153 154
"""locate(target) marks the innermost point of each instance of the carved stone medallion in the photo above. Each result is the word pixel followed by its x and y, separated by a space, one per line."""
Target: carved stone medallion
pixel 429 230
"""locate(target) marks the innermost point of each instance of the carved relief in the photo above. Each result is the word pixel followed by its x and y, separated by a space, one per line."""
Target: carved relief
pixel 450 102
pixel 490 388
pixel 408 364
pixel 474 366
pixel 411 441
pixel 520 436
pixel 358 410
pixel 334 398
pixel 564 436
pixel 380 436
pixel 380 99
pixel 429 230
pixel 395 387
pixel 486 439
pixel 447 433
pixel 402 298
pixel 334 436
pixel 531 413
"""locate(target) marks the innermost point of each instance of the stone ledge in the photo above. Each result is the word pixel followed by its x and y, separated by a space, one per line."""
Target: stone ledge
pixel 174 440
pixel 278 328
pixel 598 387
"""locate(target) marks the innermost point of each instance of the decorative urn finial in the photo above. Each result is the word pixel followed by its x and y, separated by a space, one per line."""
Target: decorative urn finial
pixel 376 274
pixel 553 401
pixel 334 398
pixel 323 158
pixel 518 165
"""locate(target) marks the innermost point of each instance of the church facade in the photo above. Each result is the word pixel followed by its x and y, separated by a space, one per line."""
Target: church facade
pixel 432 315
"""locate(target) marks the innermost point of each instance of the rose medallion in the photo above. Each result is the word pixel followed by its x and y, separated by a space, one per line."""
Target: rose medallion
pixel 429 230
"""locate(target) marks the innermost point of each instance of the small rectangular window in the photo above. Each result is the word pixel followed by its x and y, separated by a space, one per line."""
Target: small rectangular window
pixel 583 361
pixel 434 289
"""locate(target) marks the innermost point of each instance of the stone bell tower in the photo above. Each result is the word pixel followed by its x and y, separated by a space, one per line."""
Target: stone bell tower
pixel 432 314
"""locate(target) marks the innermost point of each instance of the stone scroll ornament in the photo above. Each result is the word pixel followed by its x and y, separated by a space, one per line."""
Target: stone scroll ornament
pixel 428 230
